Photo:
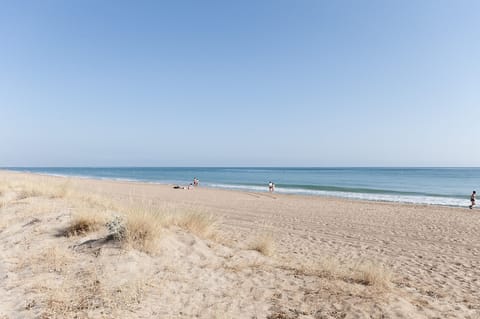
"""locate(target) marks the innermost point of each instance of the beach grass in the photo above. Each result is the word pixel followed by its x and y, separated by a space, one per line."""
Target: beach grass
pixel 372 274
pixel 84 222
pixel 27 187
pixel 142 229
pixel 27 193
pixel 364 272
pixel 201 224
pixel 85 292
pixel 264 244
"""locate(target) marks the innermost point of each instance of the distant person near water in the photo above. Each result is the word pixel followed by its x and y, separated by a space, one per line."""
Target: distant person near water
pixel 195 181
pixel 271 187
pixel 472 199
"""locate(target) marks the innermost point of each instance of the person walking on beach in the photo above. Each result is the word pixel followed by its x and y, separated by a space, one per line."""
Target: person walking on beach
pixel 270 186
pixel 472 199
pixel 195 181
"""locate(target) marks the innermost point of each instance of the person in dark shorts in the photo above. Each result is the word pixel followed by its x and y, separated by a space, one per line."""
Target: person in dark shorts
pixel 472 199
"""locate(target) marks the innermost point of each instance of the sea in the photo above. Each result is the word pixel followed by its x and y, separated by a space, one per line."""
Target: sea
pixel 431 186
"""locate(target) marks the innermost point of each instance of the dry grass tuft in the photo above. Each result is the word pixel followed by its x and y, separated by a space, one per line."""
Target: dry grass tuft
pixel 57 259
pixel 27 193
pixel 91 200
pixel 51 259
pixel 81 295
pixel 3 223
pixel 29 187
pixel 202 225
pixel 372 274
pixel 60 190
pixel 330 267
pixel 365 272
pixel 142 229
pixel 142 224
pixel 264 244
pixel 85 222
pixel 26 186
pixel 84 293
pixel 4 185
pixel 3 191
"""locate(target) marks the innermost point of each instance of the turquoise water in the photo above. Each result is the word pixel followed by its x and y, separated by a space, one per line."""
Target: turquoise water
pixel 436 186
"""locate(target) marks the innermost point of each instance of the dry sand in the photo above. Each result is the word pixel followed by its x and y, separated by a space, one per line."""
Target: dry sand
pixel 324 257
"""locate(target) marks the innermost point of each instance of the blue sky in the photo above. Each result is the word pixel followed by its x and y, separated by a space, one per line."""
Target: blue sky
pixel 240 83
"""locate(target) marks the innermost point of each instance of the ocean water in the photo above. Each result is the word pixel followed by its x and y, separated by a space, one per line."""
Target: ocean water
pixel 433 186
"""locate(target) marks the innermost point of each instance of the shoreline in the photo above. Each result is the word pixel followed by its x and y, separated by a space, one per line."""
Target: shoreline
pixel 235 188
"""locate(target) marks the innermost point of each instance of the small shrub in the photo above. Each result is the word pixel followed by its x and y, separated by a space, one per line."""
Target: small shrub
pixel 116 228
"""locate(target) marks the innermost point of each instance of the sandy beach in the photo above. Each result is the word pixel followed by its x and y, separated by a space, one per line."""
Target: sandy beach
pixel 228 254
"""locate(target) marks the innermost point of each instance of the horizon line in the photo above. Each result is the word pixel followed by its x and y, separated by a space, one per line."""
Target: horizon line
pixel 303 167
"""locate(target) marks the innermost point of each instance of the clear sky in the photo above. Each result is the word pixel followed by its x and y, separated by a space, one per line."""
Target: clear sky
pixel 240 83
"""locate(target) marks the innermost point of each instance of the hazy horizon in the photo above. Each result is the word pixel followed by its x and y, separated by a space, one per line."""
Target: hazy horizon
pixel 240 84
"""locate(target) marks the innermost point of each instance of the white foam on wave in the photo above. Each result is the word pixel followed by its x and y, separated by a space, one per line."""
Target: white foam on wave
pixel 66 175
pixel 238 187
pixel 410 199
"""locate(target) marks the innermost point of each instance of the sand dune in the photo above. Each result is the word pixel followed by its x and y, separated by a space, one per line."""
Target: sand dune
pixel 227 254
